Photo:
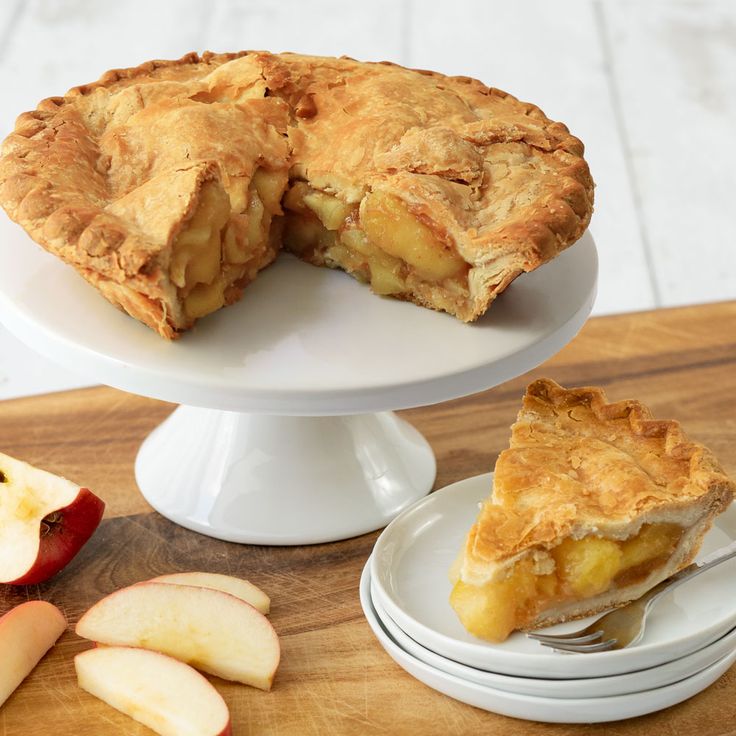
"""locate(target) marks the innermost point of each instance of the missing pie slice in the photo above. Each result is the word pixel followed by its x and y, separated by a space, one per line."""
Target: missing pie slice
pixel 170 185
pixel 593 504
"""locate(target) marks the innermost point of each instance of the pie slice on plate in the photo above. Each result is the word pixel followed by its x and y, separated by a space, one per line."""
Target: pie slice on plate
pixel 170 185
pixel 592 505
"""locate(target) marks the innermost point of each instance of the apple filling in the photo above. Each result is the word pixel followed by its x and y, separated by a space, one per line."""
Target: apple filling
pixel 235 231
pixel 582 568
pixel 225 240
pixel 378 241
pixel 196 256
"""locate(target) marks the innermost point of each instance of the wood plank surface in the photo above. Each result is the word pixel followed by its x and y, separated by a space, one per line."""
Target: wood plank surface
pixel 335 678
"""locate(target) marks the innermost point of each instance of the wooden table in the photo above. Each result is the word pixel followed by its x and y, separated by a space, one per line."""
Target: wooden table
pixel 334 677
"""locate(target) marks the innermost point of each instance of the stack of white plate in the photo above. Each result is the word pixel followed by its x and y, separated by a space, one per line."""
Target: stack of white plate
pixel 690 640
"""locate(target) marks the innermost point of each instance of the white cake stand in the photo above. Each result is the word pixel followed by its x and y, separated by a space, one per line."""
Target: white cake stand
pixel 285 434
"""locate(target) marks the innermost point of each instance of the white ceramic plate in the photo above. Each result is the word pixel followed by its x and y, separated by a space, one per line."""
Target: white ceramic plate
pixel 589 687
pixel 531 708
pixel 409 569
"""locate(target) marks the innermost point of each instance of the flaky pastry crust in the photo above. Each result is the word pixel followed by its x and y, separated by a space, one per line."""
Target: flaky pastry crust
pixel 578 466
pixel 107 176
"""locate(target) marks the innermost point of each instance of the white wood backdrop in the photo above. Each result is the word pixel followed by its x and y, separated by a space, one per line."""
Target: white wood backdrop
pixel 648 85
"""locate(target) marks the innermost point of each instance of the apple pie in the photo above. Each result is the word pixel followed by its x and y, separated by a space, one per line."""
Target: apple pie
pixel 171 185
pixel 593 504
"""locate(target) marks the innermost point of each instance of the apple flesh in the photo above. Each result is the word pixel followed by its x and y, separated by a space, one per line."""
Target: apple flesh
pixel 226 583
pixel 211 630
pixel 27 632
pixel 44 521
pixel 162 693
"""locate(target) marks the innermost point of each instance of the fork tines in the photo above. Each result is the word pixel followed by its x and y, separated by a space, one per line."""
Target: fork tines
pixel 575 642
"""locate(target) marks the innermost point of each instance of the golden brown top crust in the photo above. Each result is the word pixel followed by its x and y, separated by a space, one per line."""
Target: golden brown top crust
pixel 578 465
pixel 494 174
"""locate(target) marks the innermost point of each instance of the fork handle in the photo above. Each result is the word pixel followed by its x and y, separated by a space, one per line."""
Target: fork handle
pixel 691 571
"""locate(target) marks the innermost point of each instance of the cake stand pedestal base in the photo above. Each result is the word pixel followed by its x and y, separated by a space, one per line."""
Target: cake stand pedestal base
pixel 283 480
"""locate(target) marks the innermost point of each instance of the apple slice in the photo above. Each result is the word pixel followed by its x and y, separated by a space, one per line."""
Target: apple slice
pixel 27 632
pixel 211 630
pixel 162 693
pixel 44 521
pixel 226 583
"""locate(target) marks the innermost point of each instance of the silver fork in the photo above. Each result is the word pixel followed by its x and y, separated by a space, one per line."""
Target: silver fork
pixel 624 627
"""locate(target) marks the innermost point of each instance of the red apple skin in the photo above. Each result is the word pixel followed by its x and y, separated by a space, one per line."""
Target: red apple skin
pixel 64 537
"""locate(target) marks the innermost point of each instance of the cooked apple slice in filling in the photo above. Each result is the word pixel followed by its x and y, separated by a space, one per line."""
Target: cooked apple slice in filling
pixel 313 221
pixel 227 233
pixel 197 254
pixel 390 226
pixel 379 241
pixel 387 273
pixel 579 568
pixel 253 205
pixel 332 212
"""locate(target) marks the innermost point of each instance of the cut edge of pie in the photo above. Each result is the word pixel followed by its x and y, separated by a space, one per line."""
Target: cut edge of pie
pixel 443 206
pixel 593 504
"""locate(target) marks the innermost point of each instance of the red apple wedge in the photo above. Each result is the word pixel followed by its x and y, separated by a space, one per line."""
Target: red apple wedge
pixel 211 630
pixel 44 521
pixel 226 583
pixel 27 632
pixel 162 693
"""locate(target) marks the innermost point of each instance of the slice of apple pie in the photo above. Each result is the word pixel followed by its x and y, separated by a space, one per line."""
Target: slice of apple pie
pixel 170 185
pixel 593 504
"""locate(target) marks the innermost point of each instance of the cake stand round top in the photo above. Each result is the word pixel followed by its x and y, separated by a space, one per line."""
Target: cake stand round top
pixel 302 341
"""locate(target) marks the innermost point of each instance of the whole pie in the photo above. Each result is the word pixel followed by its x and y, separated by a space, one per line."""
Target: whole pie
pixel 593 504
pixel 170 185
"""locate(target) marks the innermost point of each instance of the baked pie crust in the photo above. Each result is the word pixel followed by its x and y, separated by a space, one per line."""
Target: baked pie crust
pixel 170 185
pixel 593 504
